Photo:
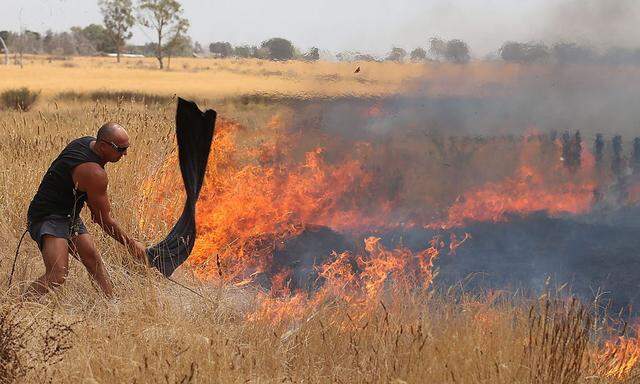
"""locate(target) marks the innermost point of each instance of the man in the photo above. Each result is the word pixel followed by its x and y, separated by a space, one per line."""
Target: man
pixel 75 176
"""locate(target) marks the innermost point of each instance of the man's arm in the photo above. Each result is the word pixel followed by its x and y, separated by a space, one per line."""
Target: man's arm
pixel 92 178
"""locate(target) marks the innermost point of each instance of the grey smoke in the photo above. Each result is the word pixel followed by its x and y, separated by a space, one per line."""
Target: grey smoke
pixel 602 23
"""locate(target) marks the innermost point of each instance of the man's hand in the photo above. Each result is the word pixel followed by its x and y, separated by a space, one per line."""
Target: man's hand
pixel 138 251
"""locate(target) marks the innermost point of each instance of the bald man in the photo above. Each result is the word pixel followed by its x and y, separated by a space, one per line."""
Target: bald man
pixel 75 176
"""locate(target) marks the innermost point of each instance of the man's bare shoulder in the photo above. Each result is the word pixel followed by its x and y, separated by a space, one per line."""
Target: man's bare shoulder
pixel 90 176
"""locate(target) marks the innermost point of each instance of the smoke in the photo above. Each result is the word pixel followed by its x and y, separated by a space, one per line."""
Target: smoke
pixel 602 23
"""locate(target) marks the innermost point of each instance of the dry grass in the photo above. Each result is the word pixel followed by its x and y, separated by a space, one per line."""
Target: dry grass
pixel 156 331
pixel 216 78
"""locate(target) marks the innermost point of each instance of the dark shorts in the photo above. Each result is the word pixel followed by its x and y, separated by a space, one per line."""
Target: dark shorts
pixel 56 226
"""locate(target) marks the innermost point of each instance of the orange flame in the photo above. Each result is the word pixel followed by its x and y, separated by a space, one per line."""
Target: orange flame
pixel 619 357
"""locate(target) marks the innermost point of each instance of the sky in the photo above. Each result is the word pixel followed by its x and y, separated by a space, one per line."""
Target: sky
pixel 372 26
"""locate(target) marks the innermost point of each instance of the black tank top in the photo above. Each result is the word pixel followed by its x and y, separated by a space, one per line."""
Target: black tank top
pixel 57 194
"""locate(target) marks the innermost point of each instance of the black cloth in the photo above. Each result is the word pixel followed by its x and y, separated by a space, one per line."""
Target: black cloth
pixel 56 226
pixel 194 131
pixel 57 194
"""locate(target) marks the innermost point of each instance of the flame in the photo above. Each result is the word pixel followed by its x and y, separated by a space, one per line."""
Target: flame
pixel 545 187
pixel 619 357
pixel 524 193
pixel 380 270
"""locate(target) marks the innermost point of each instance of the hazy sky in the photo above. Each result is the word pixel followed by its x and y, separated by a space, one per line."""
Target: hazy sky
pixel 365 25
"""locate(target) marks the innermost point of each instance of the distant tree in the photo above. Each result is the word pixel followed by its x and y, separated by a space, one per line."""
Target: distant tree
pixel 221 49
pixel 118 19
pixel 83 45
pixel 312 55
pixel 99 37
pixel 65 44
pixel 25 42
pixel 164 17
pixel 244 51
pixel 262 53
pixel 457 52
pixel 148 49
pixel 437 47
pixel 598 150
pixel 616 159
pixel 279 49
pixel 524 53
pixel 418 54
pixel 397 54
pixel 179 45
pixel 364 57
pixel 344 56
pixel 576 151
pixel 47 42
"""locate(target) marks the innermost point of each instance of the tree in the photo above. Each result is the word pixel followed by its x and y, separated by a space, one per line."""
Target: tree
pixel 221 49
pixel 364 57
pixel 99 37
pixel 524 53
pixel 616 159
pixel 437 47
pixel 165 18
pixel 179 45
pixel 457 52
pixel 245 51
pixel 118 19
pixel 418 54
pixel 82 44
pixel 598 150
pixel 278 49
pixel 397 54
pixel 312 55
pixel 47 42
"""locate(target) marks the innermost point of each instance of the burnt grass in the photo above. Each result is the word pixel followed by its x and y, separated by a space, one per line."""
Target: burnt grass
pixel 535 253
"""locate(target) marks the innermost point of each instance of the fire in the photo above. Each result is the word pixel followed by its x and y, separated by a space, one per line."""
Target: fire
pixel 544 186
pixel 619 357
pixel 266 187
pixel 526 192
pixel 377 271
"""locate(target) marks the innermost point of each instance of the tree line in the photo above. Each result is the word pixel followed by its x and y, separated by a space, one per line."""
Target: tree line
pixel 164 19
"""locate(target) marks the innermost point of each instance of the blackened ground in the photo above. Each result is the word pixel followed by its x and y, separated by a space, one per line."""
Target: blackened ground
pixel 528 253
pixel 538 252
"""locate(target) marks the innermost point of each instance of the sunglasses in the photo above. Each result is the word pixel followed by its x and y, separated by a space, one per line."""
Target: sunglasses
pixel 115 147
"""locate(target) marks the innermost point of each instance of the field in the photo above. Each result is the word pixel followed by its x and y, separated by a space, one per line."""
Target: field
pixel 156 330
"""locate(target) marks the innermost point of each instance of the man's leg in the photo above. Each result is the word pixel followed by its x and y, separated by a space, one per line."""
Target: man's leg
pixel 83 246
pixel 55 253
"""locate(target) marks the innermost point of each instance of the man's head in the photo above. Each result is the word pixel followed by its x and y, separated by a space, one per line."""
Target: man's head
pixel 112 142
